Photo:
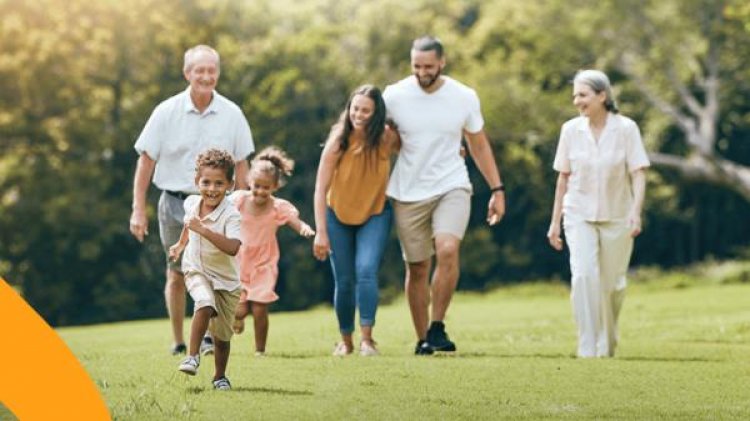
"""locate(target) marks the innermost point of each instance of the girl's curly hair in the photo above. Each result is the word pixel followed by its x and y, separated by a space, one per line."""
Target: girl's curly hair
pixel 273 160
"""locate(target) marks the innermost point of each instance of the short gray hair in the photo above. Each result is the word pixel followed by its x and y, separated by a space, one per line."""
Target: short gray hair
pixel 192 53
pixel 598 82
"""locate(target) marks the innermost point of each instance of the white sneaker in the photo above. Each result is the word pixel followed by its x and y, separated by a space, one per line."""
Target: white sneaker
pixel 190 365
pixel 367 349
pixel 222 384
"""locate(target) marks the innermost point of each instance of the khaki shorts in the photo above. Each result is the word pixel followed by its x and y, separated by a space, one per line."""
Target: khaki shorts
pixel 222 301
pixel 417 223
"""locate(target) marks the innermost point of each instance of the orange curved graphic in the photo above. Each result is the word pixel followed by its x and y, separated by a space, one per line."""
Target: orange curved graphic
pixel 41 378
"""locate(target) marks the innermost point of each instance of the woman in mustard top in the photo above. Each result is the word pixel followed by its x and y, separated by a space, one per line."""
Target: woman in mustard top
pixel 352 216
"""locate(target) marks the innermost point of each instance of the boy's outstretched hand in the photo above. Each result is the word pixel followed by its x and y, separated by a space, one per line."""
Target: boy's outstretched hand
pixel 175 251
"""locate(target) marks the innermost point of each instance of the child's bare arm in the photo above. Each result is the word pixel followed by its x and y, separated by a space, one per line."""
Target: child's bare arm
pixel 229 246
pixel 301 227
pixel 177 248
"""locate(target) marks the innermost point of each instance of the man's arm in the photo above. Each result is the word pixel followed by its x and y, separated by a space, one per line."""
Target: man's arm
pixel 240 174
pixel 481 151
pixel 392 136
pixel 138 220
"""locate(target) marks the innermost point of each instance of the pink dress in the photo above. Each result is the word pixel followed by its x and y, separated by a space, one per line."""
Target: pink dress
pixel 258 257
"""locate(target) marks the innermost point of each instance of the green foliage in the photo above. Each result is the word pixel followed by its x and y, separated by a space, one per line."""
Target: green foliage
pixel 79 79
pixel 705 273
pixel 6 414
pixel 682 355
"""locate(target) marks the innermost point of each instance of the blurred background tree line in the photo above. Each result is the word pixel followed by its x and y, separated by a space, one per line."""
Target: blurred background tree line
pixel 78 79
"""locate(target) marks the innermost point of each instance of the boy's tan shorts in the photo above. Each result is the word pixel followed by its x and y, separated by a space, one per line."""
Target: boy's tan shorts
pixel 417 223
pixel 222 301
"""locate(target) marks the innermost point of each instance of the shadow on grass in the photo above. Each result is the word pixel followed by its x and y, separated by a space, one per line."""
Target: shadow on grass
pixel 479 354
pixel 198 390
pixel 289 356
pixel 573 357
pixel 671 359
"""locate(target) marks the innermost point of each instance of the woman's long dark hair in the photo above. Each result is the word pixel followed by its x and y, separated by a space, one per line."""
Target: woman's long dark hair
pixel 341 131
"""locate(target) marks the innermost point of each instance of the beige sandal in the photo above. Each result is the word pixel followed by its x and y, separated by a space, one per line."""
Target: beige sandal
pixel 367 349
pixel 341 350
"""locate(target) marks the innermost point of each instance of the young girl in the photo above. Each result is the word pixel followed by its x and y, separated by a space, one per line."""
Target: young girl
pixel 261 215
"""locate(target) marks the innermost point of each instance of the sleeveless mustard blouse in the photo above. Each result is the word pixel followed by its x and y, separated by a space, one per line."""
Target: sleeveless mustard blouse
pixel 357 190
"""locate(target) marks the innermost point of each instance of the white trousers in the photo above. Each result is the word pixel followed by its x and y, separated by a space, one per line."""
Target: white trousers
pixel 599 258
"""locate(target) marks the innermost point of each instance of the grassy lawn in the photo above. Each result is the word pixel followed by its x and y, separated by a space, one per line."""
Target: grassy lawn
pixel 684 354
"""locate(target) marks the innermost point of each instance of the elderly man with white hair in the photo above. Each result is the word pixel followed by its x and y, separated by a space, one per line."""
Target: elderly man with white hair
pixel 180 128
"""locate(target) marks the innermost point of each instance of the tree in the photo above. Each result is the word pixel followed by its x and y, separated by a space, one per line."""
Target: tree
pixel 77 84
pixel 683 57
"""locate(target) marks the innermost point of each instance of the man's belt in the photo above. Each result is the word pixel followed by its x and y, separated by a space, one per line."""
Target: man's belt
pixel 178 194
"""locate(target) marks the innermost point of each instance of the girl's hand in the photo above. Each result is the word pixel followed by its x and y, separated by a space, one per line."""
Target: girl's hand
pixel 175 251
pixel 321 246
pixel 553 236
pixel 634 223
pixel 305 230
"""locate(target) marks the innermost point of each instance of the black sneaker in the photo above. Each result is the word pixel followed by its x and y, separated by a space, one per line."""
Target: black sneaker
pixel 178 349
pixel 438 339
pixel 423 348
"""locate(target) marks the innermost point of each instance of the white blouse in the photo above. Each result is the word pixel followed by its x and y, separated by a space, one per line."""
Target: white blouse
pixel 599 187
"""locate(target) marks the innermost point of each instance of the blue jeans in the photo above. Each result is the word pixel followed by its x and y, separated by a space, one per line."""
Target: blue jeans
pixel 356 253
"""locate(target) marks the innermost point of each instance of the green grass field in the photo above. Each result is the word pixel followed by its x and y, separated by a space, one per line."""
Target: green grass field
pixel 684 354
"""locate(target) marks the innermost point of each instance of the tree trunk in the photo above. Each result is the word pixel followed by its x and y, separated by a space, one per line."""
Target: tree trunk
pixel 707 169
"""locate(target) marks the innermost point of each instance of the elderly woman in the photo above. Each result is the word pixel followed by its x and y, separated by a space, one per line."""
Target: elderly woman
pixel 598 198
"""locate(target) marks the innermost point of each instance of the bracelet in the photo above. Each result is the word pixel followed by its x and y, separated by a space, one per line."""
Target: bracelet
pixel 498 188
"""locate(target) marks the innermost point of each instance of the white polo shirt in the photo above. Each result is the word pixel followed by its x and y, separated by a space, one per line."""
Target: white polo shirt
pixel 201 255
pixel 431 126
pixel 176 133
pixel 599 187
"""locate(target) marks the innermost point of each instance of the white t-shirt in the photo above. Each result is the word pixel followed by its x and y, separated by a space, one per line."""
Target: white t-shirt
pixel 431 126
pixel 176 133
pixel 599 187
pixel 201 255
